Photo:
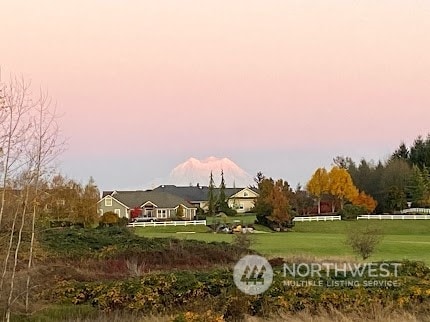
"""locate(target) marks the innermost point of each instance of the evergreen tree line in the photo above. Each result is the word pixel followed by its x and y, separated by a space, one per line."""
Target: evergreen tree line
pixel 401 181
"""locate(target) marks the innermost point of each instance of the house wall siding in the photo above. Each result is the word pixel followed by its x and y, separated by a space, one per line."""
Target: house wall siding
pixel 102 208
pixel 243 201
pixel 241 205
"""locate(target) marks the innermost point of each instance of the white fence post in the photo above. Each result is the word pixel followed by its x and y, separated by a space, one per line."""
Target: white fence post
pixel 316 218
pixel 167 223
pixel 394 217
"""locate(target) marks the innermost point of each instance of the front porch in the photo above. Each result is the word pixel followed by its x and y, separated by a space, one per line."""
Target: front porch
pixel 151 210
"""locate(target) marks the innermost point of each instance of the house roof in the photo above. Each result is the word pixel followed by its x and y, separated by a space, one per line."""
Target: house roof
pixel 107 193
pixel 195 193
pixel 254 193
pixel 187 193
pixel 137 198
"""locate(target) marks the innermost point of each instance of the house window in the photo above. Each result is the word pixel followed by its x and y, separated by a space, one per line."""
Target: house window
pixel 149 213
pixel 118 212
pixel 108 202
pixel 101 212
pixel 245 194
pixel 241 206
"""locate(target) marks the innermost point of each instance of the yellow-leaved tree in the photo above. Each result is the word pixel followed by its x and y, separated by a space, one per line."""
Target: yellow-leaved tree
pixel 341 187
pixel 318 185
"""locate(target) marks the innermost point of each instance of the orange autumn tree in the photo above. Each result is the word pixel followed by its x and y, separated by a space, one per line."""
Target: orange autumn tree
pixel 318 185
pixel 281 212
pixel 366 201
pixel 272 207
pixel 341 187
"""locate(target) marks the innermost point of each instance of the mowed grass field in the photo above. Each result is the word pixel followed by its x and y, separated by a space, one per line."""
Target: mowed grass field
pixel 402 239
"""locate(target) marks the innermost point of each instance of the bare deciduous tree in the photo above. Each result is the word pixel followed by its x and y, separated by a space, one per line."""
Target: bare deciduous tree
pixel 43 150
pixel 29 143
pixel 15 109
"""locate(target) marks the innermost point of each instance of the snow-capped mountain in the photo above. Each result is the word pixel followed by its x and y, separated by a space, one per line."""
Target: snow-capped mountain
pixel 194 171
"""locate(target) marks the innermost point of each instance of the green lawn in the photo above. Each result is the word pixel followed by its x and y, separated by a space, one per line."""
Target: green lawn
pixel 408 239
pixel 388 227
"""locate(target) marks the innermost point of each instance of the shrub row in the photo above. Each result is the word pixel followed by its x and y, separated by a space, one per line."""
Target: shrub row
pixel 111 242
pixel 172 293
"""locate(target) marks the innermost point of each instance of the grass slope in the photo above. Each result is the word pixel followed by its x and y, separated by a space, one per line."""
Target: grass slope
pixel 403 239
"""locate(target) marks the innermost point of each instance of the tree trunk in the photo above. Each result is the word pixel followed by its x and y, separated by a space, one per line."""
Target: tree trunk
pixel 30 259
pixel 15 264
pixel 35 200
pixel 319 206
pixel 9 249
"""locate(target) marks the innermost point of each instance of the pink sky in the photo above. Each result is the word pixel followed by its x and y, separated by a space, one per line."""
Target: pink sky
pixel 280 86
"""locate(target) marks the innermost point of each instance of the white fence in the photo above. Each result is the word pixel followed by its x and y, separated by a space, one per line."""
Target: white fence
pixel 416 211
pixel 317 218
pixel 393 217
pixel 167 223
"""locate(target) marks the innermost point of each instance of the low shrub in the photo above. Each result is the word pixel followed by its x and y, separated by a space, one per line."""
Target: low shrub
pixel 351 212
pixel 123 222
pixel 416 269
pixel 191 291
pixel 109 219
pixel 116 243
pixel 364 240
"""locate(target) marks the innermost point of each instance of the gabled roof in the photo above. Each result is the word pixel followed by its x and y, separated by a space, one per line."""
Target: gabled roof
pixel 133 199
pixel 107 193
pixel 106 196
pixel 196 193
pixel 254 193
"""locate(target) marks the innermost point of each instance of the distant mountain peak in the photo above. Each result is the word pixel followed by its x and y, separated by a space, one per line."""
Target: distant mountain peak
pixel 194 171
